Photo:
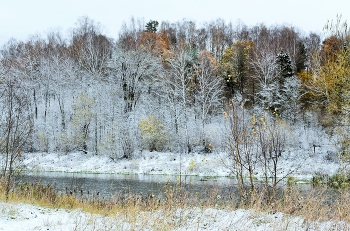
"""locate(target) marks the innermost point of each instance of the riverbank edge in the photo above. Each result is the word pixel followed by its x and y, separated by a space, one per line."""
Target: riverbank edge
pixel 295 179
pixel 164 164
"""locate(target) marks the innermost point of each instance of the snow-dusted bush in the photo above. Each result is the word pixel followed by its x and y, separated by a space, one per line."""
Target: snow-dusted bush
pixel 153 133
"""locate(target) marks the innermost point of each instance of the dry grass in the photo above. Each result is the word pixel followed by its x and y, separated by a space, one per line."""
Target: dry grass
pixel 319 204
pixel 160 212
pixel 170 210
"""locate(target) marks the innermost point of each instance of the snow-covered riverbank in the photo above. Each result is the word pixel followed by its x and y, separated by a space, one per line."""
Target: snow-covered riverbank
pixel 20 217
pixel 303 166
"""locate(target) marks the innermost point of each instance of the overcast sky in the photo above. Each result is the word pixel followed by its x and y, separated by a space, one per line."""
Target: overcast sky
pixel 20 19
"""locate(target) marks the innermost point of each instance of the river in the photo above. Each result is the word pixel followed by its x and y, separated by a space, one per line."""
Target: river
pixel 107 185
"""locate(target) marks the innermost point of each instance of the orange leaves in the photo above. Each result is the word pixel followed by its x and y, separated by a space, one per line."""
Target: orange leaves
pixel 157 43
pixel 208 60
pixel 330 49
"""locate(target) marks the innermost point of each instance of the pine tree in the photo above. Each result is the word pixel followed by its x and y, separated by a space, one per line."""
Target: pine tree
pixel 151 26
pixel 284 65
pixel 301 57
pixel 283 95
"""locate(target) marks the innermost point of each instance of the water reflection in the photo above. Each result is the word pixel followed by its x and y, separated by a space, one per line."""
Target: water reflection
pixel 107 185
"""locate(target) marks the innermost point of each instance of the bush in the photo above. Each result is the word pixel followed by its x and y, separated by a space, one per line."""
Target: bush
pixel 338 181
pixel 319 179
pixel 153 133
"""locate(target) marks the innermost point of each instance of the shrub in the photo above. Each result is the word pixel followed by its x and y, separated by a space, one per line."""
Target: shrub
pixel 319 179
pixel 338 181
pixel 153 133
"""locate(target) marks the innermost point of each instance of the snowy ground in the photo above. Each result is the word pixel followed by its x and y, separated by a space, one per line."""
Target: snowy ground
pixel 214 164
pixel 27 217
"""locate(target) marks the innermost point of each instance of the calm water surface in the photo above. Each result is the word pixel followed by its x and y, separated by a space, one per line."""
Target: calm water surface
pixel 107 185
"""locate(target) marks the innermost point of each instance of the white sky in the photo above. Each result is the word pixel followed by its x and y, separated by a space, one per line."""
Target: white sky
pixel 20 19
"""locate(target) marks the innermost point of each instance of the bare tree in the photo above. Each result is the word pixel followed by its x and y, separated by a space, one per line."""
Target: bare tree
pixel 130 33
pixel 133 72
pixel 15 125
pixel 178 79
pixel 90 48
pixel 240 147
pixel 270 136
pixel 209 89
pixel 220 37
pixel 265 73
pixel 256 143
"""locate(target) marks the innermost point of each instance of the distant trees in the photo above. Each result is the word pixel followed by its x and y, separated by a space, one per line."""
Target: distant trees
pixel 132 71
pixel 264 69
pixel 301 58
pixel 164 86
pixel 284 65
pixel 328 84
pixel 82 118
pixel 153 133
pixel 89 92
pixel 177 82
pixel 288 88
pixel 90 49
pixel 130 33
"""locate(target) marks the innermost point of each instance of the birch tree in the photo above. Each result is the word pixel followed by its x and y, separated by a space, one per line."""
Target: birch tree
pixel 265 73
pixel 177 80
pixel 209 89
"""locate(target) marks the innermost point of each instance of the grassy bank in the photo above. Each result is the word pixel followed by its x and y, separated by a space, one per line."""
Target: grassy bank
pixel 176 207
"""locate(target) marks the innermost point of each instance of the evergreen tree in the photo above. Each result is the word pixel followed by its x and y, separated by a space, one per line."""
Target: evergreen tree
pixel 300 60
pixel 284 65
pixel 281 94
pixel 151 26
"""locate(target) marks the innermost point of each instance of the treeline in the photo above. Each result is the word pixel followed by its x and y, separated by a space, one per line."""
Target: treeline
pixel 164 86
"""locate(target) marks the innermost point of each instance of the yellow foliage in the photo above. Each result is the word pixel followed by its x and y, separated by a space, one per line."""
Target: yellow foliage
pixel 192 164
pixel 233 57
pixel 82 109
pixel 151 126
pixel 225 115
pixel 153 133
pixel 330 84
pixel 42 141
pixel 329 81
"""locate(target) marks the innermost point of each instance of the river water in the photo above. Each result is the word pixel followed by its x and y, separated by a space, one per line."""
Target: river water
pixel 107 185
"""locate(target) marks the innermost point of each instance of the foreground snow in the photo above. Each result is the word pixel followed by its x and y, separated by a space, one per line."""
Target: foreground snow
pixel 303 166
pixel 27 217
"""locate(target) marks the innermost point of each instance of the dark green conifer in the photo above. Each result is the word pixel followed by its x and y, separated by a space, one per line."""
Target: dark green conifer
pixel 151 26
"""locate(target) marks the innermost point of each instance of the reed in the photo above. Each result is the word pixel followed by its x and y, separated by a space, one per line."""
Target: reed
pixel 170 209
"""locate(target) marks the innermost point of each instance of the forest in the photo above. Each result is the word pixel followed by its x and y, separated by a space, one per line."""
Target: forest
pixel 179 87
